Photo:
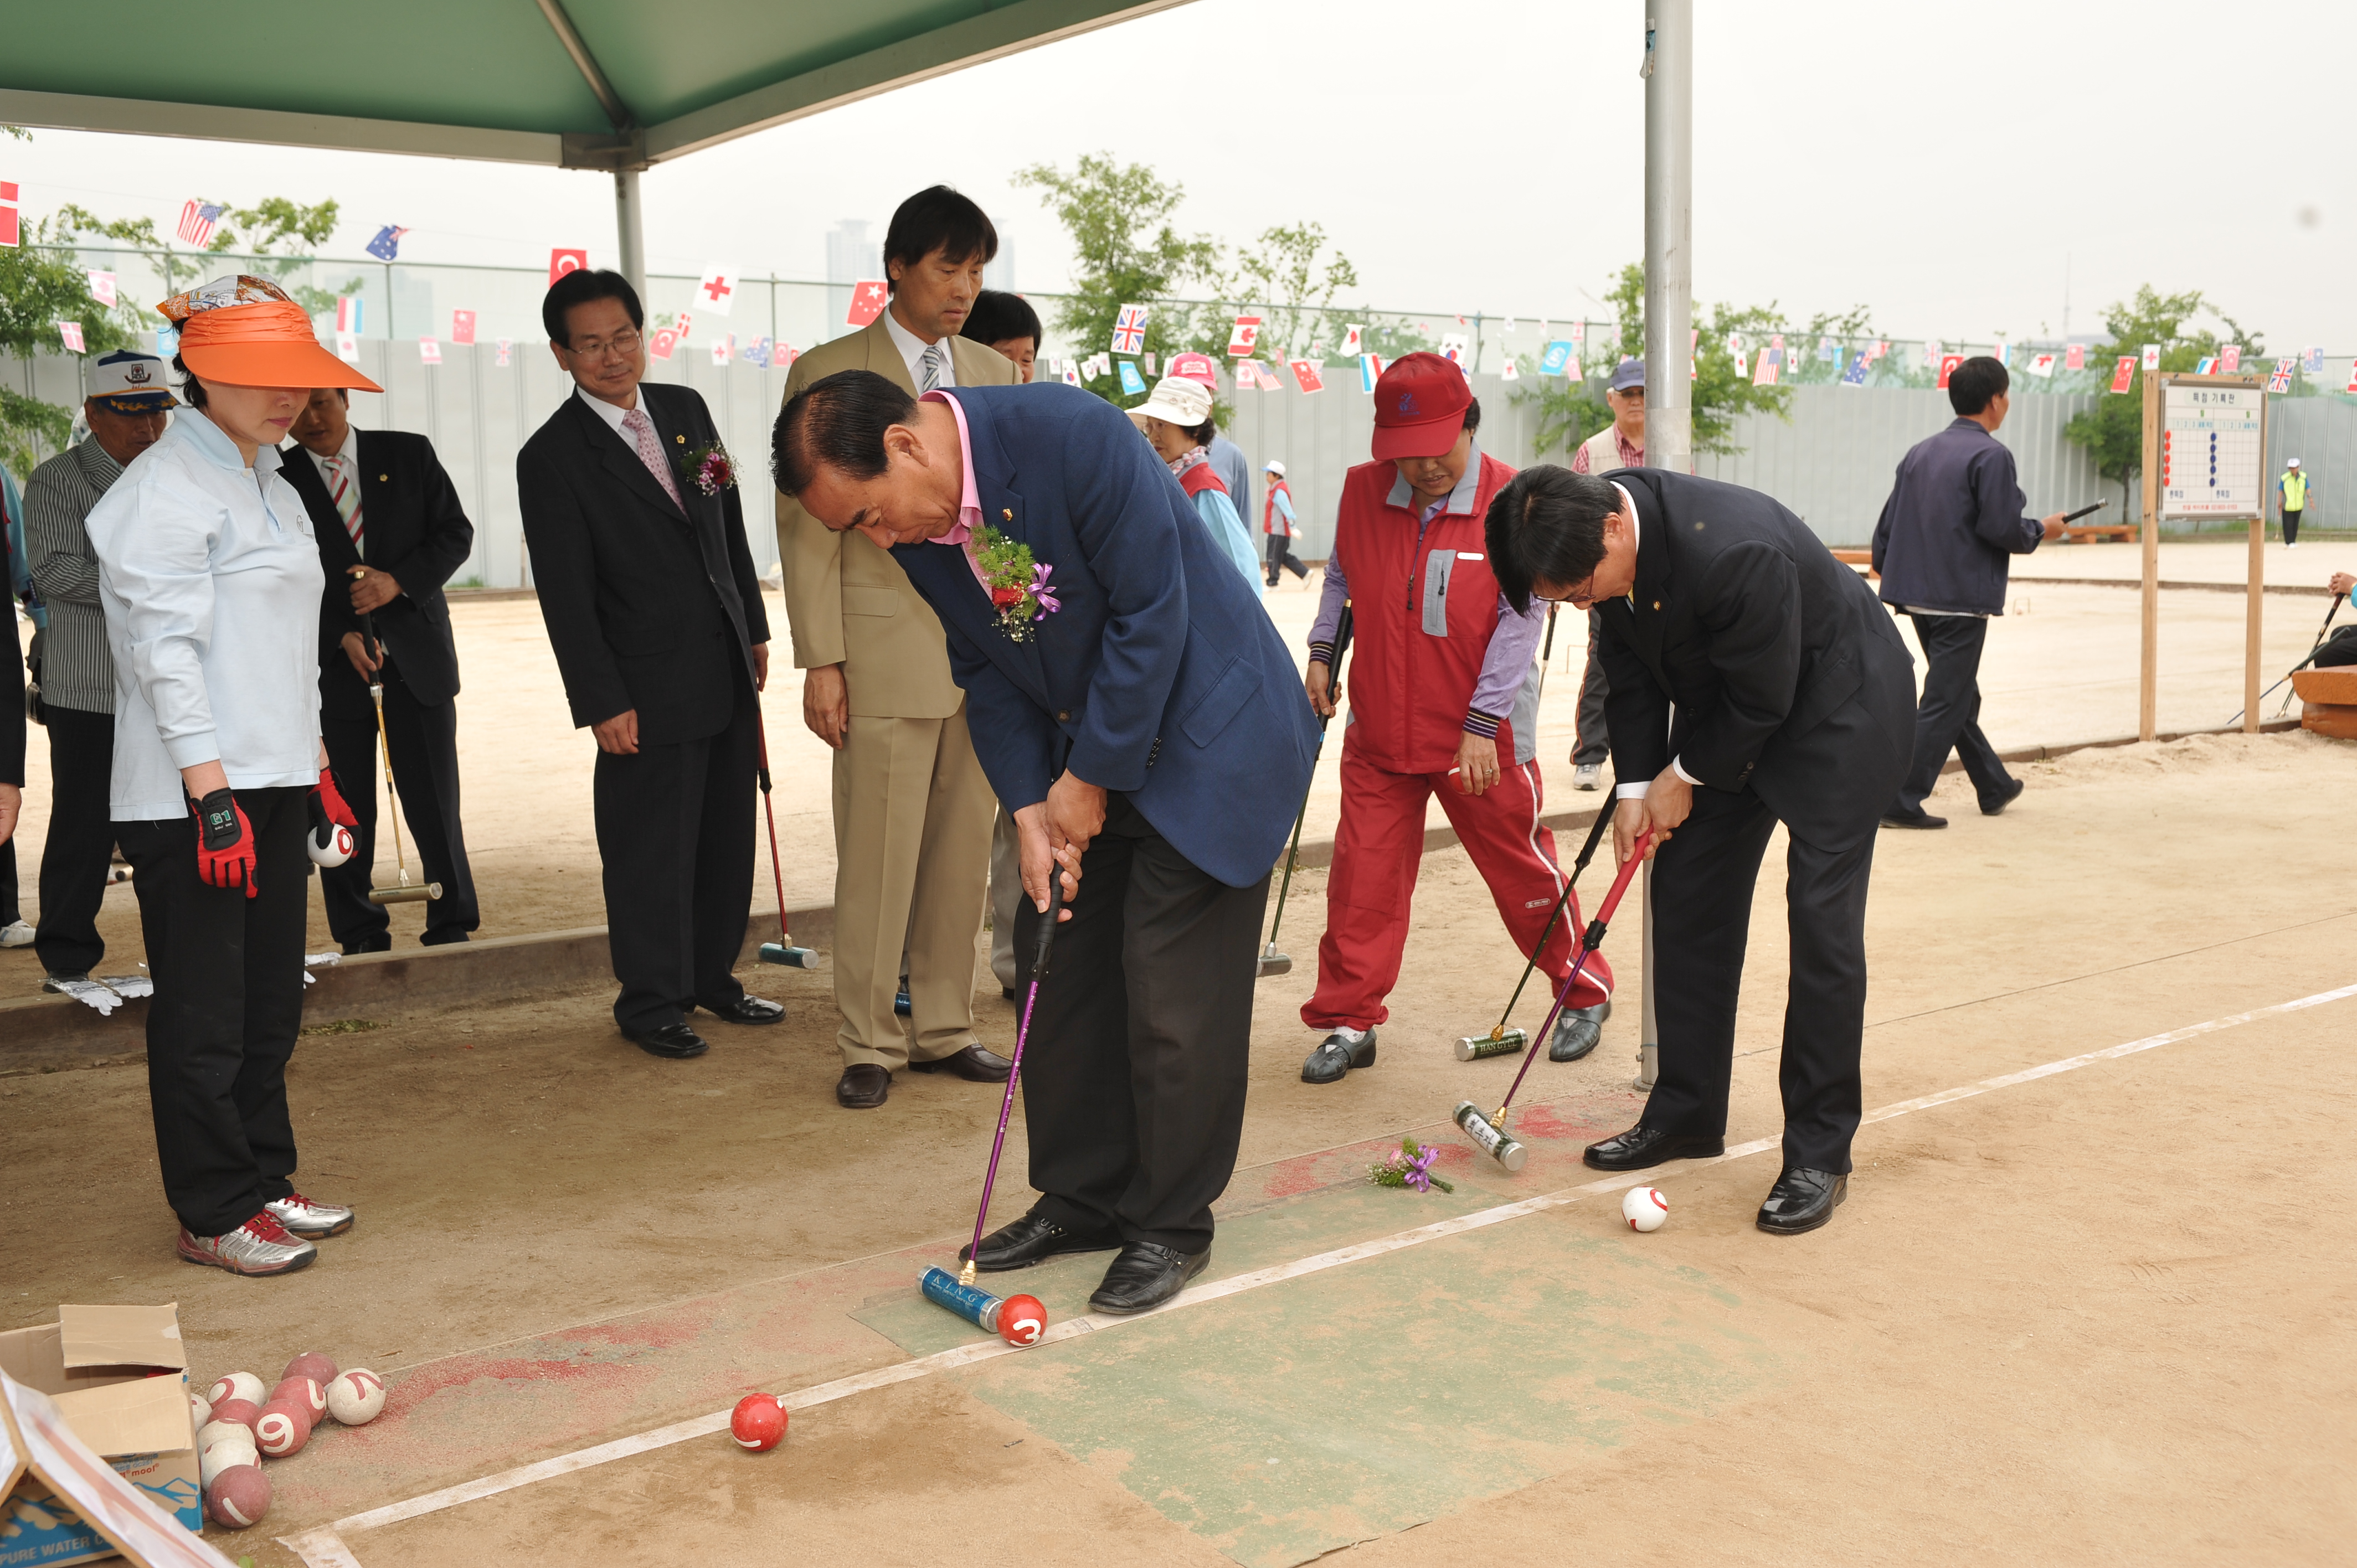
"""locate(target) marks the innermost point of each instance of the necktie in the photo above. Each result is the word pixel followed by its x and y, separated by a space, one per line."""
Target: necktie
pixel 642 435
pixel 345 491
pixel 930 360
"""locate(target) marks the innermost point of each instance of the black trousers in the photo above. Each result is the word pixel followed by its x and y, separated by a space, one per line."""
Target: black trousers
pixel 423 740
pixel 2339 650
pixel 228 1005
pixel 78 853
pixel 675 833
pixel 1134 1068
pixel 2291 526
pixel 1703 882
pixel 1594 746
pixel 1949 717
pixel 1281 557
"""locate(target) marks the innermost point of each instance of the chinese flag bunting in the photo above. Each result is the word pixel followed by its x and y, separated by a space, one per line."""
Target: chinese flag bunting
pixel 2124 372
pixel 462 327
pixel 868 299
pixel 2074 358
pixel 8 213
pixel 1307 373
pixel 562 261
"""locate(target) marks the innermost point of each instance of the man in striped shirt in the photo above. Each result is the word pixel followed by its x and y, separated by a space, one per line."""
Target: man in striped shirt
pixel 129 394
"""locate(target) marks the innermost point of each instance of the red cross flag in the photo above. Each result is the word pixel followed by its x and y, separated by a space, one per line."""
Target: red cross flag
pixel 462 327
pixel 1307 373
pixel 2125 373
pixel 867 301
pixel 2152 356
pixel 664 340
pixel 722 346
pixel 8 213
pixel 1245 337
pixel 562 261
pixel 718 290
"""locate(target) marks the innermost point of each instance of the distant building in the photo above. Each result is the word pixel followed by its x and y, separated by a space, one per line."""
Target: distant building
pixel 1000 273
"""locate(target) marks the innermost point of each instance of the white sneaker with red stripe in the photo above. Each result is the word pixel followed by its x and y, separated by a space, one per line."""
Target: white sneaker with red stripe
pixel 312 1222
pixel 260 1246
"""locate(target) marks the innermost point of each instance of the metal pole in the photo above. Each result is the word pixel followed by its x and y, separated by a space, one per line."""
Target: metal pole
pixel 1669 232
pixel 630 219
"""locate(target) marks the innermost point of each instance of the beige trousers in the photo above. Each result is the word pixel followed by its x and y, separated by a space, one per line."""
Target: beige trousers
pixel 1006 893
pixel 912 814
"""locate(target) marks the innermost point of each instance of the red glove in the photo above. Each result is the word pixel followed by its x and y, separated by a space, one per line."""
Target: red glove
pixel 224 843
pixel 339 810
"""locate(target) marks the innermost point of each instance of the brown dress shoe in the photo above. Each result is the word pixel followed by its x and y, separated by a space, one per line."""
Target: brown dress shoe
pixel 863 1087
pixel 973 1064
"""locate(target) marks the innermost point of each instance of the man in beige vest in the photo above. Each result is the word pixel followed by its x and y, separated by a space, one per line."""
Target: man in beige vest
pixel 912 810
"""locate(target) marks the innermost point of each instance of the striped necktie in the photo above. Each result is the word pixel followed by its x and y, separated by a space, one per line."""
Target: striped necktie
pixel 346 492
pixel 932 361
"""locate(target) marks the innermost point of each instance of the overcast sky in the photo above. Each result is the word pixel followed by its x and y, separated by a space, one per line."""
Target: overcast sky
pixel 1950 167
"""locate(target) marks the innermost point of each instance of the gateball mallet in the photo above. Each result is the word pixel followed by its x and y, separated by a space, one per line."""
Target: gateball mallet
pixel 1271 960
pixel 405 893
pixel 1042 945
pixel 1490 1131
pixel 2314 649
pixel 1500 1039
pixel 782 950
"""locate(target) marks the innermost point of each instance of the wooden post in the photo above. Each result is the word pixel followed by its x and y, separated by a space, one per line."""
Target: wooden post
pixel 2257 578
pixel 2148 678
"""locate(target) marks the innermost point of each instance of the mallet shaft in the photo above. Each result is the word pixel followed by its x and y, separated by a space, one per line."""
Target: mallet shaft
pixel 1333 700
pixel 1587 946
pixel 1044 944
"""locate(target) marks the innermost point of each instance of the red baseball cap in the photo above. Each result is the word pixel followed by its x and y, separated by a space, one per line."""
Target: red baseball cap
pixel 1420 405
pixel 1195 367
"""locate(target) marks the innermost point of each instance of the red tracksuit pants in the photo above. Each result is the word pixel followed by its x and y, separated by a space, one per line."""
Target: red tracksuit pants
pixel 1376 847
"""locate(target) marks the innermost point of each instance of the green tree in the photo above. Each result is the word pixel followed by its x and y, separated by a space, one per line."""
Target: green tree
pixel 1282 274
pixel 41 284
pixel 1129 251
pixel 1570 412
pixel 2112 431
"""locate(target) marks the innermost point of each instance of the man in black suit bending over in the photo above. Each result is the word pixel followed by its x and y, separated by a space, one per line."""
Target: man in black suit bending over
pixel 638 545
pixel 1754 680
pixel 391 531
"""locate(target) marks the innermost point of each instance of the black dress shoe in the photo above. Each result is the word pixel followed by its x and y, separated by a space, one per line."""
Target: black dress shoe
pixel 862 1087
pixel 2011 793
pixel 1802 1200
pixel 1007 991
pixel 1034 1239
pixel 676 1041
pixel 1576 1032
pixel 1642 1147
pixel 1895 818
pixel 973 1064
pixel 746 1010
pixel 1146 1274
pixel 1336 1056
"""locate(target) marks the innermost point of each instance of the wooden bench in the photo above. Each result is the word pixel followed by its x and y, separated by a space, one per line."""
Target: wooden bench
pixel 2327 701
pixel 2099 532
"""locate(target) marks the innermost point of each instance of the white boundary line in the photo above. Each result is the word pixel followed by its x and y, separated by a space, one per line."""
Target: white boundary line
pixel 325 1548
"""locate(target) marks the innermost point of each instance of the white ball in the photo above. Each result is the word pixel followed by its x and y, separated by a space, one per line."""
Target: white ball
pixel 1644 1207
pixel 224 1454
pixel 356 1397
pixel 236 1385
pixel 201 1411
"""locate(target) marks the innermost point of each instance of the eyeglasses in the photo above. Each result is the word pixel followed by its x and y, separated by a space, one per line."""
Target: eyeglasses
pixel 621 346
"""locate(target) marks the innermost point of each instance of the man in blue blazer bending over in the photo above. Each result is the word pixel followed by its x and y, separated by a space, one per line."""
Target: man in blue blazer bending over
pixel 1137 713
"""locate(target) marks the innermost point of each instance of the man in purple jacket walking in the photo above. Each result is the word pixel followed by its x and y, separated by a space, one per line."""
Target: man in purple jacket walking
pixel 1954 516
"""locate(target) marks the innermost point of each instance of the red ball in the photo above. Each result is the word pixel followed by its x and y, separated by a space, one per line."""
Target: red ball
pixel 310 1364
pixel 1021 1320
pixel 239 1497
pixel 759 1422
pixel 243 1412
pixel 302 1392
pixel 281 1429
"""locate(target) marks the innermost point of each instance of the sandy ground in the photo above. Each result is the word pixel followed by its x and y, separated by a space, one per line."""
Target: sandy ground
pixel 2213 559
pixel 2061 666
pixel 2100 1316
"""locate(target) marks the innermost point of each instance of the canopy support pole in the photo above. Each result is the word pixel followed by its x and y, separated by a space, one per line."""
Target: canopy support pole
pixel 629 221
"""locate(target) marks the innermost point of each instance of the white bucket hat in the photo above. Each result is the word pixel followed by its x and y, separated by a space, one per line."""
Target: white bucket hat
pixel 1185 403
pixel 1277 466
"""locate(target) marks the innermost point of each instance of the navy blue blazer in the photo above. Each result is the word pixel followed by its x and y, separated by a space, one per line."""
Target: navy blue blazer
pixel 1160 677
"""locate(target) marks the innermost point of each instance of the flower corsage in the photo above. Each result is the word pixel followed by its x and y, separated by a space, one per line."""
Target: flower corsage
pixel 1019 586
pixel 711 469
pixel 1410 1169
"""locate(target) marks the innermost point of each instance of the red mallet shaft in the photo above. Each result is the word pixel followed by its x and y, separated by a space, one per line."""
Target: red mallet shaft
pixel 1591 941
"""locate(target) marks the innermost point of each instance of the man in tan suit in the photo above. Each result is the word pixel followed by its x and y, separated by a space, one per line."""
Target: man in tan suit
pixel 913 809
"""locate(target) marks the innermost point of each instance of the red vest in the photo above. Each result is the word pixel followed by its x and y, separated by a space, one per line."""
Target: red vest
pixel 1200 478
pixel 1269 522
pixel 1424 610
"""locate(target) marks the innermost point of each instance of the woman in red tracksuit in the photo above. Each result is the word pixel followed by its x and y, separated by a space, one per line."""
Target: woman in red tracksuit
pixel 1443 697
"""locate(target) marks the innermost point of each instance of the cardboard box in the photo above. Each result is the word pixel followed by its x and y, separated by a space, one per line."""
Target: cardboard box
pixel 117 1376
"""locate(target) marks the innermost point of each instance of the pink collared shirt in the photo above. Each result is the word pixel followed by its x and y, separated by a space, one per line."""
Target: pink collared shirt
pixel 968 517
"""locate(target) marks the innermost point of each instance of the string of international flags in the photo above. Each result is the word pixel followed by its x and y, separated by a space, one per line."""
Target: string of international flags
pixel 1126 359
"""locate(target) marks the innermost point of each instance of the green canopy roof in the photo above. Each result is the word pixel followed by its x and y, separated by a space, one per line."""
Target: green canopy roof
pixel 607 84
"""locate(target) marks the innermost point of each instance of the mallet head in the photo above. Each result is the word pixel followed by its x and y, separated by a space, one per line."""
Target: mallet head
pixel 792 957
pixel 1275 963
pixel 1496 1043
pixel 1497 1145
